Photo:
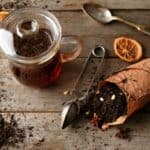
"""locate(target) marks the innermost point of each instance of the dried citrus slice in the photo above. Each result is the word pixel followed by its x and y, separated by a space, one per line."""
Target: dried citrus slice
pixel 128 49
pixel 3 14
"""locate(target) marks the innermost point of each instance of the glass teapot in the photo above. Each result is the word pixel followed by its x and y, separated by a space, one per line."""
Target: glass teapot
pixel 31 38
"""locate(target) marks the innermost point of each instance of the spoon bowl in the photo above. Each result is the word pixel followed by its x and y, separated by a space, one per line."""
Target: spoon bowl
pixel 98 12
pixel 70 111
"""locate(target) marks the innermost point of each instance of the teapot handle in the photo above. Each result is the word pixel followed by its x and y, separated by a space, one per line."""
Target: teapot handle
pixel 71 47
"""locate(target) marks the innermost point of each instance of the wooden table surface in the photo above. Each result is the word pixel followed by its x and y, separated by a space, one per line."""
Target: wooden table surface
pixel 33 102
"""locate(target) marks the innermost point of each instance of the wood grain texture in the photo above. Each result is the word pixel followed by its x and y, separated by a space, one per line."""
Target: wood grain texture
pixel 42 107
pixel 89 42
pixel 82 136
pixel 93 33
pixel 79 24
pixel 77 4
pixel 16 97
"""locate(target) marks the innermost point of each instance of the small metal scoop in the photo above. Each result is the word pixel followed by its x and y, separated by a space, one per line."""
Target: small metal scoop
pixel 103 15
pixel 73 108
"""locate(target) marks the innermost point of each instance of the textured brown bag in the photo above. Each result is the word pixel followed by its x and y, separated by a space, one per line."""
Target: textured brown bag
pixel 134 81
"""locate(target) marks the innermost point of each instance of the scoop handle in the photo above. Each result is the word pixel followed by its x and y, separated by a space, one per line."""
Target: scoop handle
pixel 145 29
pixel 78 105
pixel 97 54
pixel 142 28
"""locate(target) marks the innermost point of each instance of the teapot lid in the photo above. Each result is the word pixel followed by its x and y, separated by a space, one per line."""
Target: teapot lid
pixel 29 34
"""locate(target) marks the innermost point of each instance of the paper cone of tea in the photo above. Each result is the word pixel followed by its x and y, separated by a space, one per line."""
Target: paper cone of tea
pixel 134 81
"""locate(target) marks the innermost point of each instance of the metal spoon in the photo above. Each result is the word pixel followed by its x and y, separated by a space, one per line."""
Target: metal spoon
pixel 73 108
pixel 103 15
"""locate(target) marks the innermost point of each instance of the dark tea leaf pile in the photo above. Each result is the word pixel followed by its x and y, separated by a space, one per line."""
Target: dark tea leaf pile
pixel 10 133
pixel 34 44
pixel 107 104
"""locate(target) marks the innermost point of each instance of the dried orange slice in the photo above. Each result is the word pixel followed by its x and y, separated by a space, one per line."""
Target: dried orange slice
pixel 3 14
pixel 128 49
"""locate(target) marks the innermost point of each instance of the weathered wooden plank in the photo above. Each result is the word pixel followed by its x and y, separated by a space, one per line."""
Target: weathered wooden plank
pixel 79 24
pixel 37 99
pixel 17 97
pixel 89 42
pixel 77 5
pixel 92 33
pixel 81 136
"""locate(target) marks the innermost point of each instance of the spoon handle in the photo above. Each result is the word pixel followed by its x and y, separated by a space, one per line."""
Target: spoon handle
pixel 145 29
pixel 141 28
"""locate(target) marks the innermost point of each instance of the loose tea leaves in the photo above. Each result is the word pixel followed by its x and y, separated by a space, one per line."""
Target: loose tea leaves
pixel 134 82
pixel 108 104
pixel 10 133
pixel 123 133
pixel 33 44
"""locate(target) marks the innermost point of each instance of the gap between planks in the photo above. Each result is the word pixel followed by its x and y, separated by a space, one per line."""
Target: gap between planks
pixel 77 5
pixel 29 111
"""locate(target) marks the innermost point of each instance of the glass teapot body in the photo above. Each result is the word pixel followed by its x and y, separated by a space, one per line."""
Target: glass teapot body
pixel 31 38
